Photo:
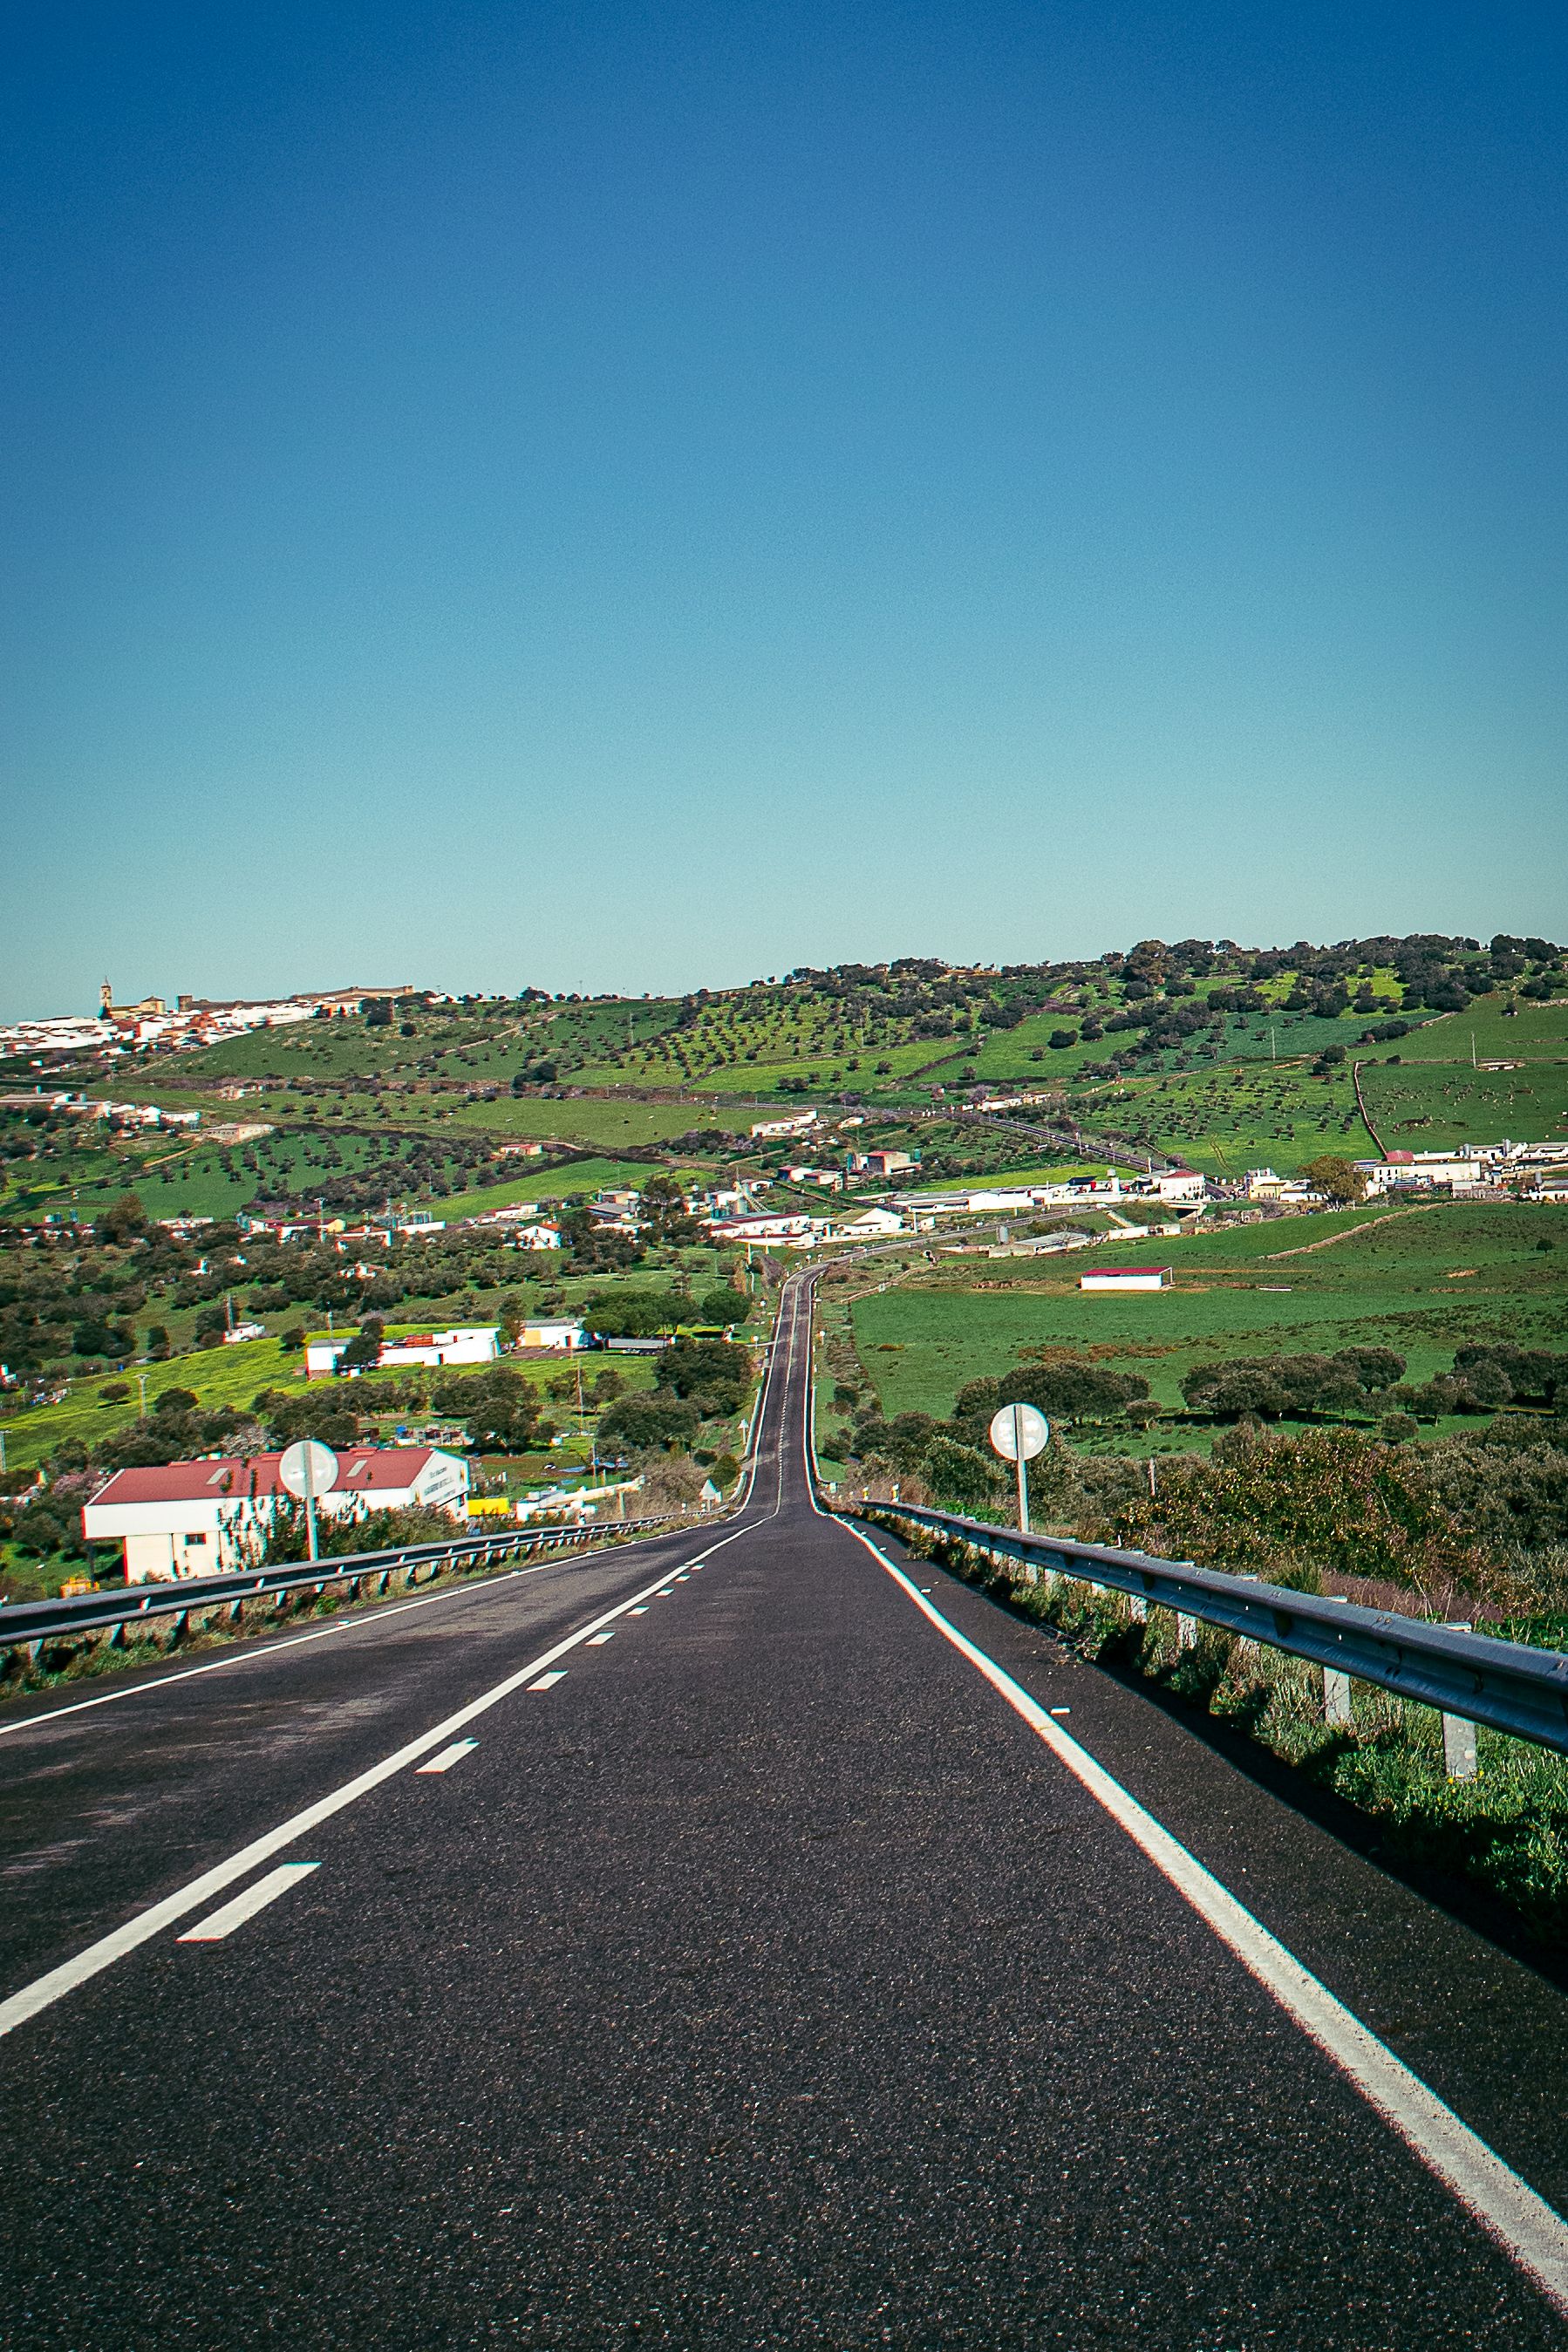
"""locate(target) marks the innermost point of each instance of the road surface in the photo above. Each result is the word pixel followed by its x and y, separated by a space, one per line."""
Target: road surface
pixel 701 1948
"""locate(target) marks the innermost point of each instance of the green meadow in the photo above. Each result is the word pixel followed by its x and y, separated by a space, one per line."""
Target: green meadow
pixel 575 1180
pixel 1422 1281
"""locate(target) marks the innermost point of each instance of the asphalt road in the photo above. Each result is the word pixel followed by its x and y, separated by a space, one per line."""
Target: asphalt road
pixel 765 1978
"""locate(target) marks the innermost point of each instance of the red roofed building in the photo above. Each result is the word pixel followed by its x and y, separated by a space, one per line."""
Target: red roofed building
pixel 204 1518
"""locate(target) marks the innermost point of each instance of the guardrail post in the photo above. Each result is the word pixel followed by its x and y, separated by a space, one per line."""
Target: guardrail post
pixel 1138 1608
pixel 1337 1687
pixel 1187 1631
pixel 1459 1747
pixel 1458 1732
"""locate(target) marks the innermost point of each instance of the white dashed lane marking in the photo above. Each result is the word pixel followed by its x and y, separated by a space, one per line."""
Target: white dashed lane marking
pixel 222 1923
pixel 548 1682
pixel 448 1757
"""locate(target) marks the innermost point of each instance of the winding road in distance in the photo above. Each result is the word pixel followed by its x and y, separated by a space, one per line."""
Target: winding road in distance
pixel 751 1939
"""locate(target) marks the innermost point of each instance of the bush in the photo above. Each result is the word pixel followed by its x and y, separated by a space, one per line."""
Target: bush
pixel 961 1479
pixel 640 1423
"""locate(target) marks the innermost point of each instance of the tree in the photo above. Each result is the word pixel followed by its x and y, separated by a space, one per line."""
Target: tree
pixel 637 1423
pixel 123 1219
pixel 159 1347
pixel 959 1477
pixel 1374 1368
pixel 364 1352
pixel 1071 1390
pixel 666 1217
pixel 1336 1179
pixel 633 1314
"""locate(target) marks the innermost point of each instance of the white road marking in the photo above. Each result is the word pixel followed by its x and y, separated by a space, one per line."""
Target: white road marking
pixel 640 1610
pixel 598 1641
pixel 55 1982
pixel 1506 2207
pixel 219 1924
pixel 1061 1710
pixel 548 1682
pixel 448 1757
pixel 256 1652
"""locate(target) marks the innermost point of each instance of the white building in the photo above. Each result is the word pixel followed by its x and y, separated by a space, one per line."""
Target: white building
pixel 1419 1171
pixel 801 1124
pixel 466 1343
pixel 760 1229
pixel 1178 1184
pixel 559 1336
pixel 208 1517
pixel 1126 1277
pixel 874 1226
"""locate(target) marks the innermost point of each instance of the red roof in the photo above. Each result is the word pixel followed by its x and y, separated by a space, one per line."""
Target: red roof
pixel 361 1470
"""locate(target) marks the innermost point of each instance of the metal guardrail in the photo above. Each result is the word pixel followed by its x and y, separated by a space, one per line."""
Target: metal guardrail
pixel 31 1623
pixel 1471 1678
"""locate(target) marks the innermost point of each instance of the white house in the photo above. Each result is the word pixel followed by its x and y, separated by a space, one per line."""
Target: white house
pixel 207 1518
pixel 1178 1184
pixel 1126 1277
pixel 801 1124
pixel 760 1229
pixel 466 1343
pixel 873 1224
pixel 558 1334
pixel 883 1163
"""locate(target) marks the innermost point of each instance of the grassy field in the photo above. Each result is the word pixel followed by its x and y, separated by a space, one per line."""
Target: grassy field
pixel 1431 1106
pixel 594 1119
pixel 1423 1282
pixel 576 1179
pixel 1058 1171
pixel 1227 1120
pixel 1025 1055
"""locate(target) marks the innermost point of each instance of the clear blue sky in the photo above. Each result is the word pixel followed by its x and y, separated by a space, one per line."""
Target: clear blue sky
pixel 614 496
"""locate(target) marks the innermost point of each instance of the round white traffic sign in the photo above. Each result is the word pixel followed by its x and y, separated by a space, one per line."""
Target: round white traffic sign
pixel 1018 1432
pixel 309 1469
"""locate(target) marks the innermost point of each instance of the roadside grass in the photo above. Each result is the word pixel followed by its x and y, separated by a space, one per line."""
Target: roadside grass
pixel 65 1664
pixel 1387 1281
pixel 1506 1830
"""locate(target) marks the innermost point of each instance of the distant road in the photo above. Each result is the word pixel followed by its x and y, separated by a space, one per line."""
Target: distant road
pixel 704 1948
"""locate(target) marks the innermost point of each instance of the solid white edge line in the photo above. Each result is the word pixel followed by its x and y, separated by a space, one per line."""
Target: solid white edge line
pixel 224 1921
pixel 1511 2213
pixel 257 1653
pixel 58 1981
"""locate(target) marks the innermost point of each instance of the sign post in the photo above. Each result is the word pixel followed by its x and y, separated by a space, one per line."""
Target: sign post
pixel 1017 1434
pixel 308 1469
